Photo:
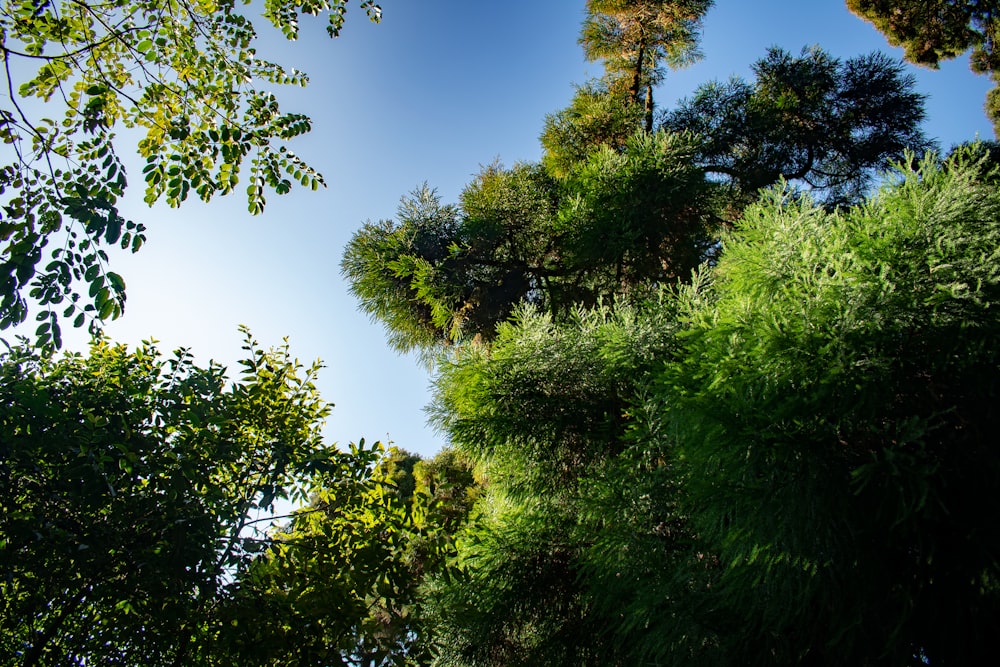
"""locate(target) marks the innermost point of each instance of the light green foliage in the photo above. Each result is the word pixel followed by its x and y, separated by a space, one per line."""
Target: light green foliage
pixel 545 412
pixel 129 485
pixel 340 585
pixel 595 118
pixel 833 420
pixel 391 265
pixel 184 74
pixel 787 462
pixel 934 30
pixel 826 124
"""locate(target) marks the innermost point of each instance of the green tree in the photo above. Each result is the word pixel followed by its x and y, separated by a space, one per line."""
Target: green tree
pixel 934 30
pixel 788 462
pixel 614 208
pixel 594 118
pixel 130 486
pixel 634 38
pixel 546 412
pixel 186 76
pixel 620 220
pixel 830 414
pixel 335 586
pixel 830 126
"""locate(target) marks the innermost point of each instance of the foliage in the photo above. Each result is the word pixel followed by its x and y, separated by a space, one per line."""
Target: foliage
pixel 619 220
pixel 633 37
pixel 129 486
pixel 545 412
pixel 185 75
pixel 390 264
pixel 826 124
pixel 931 31
pixel 340 585
pixel 594 118
pixel 641 216
pixel 832 419
pixel 787 462
pixel 615 208
pixel 334 588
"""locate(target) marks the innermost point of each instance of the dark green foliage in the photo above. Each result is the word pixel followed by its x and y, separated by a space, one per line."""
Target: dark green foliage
pixel 934 30
pixel 833 417
pixel 128 485
pixel 788 462
pixel 636 217
pixel 546 413
pixel 516 602
pixel 390 263
pixel 814 120
pixel 619 221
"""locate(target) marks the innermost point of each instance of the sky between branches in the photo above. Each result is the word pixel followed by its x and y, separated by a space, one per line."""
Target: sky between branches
pixel 437 89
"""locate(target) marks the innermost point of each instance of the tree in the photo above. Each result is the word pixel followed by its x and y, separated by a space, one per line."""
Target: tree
pixel 827 124
pixel 787 462
pixel 341 584
pixel 634 38
pixel 545 411
pixel 130 488
pixel 829 415
pixel 184 74
pixel 618 221
pixel 594 118
pixel 932 31
pixel 334 587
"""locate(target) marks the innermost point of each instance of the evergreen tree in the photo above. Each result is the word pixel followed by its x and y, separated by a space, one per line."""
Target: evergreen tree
pixel 934 30
pixel 619 221
pixel 830 416
pixel 634 38
pixel 825 124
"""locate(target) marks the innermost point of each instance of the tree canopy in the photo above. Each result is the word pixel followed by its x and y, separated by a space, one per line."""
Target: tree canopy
pixel 635 38
pixel 614 208
pixel 137 524
pixel 622 219
pixel 827 124
pixel 717 385
pixel 936 30
pixel 724 377
pixel 788 461
pixel 186 76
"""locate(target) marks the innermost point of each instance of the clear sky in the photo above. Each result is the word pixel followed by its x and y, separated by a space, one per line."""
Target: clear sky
pixel 438 89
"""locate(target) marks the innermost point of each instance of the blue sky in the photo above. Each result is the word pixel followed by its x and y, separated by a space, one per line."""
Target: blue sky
pixel 438 89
